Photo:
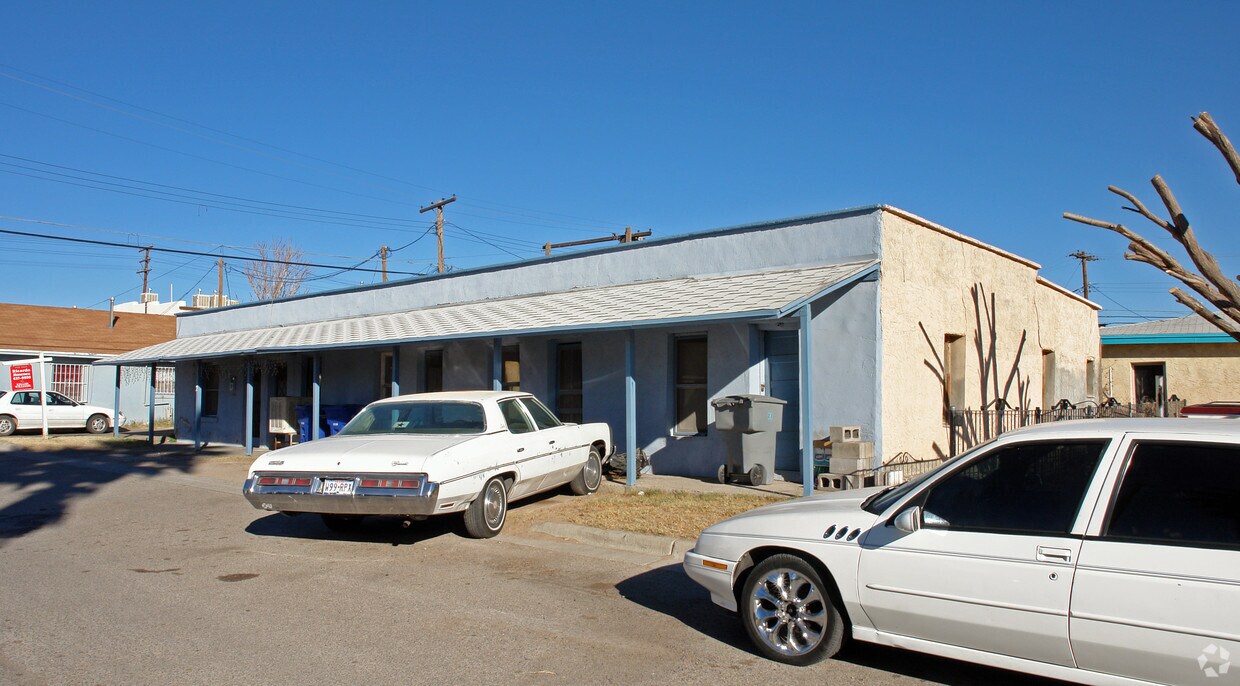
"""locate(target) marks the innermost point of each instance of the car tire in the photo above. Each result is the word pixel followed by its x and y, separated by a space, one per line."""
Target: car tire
pixel 97 424
pixel 485 516
pixel 7 425
pixel 591 475
pixel 341 523
pixel 789 614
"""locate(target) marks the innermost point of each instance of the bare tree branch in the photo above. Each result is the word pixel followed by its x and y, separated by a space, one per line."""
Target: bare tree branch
pixel 1204 124
pixel 278 279
pixel 1209 281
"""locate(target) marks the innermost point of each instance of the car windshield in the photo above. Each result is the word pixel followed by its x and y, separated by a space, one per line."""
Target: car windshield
pixel 418 417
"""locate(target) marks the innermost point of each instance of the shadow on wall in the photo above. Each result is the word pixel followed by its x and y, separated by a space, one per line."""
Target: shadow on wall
pixel 47 482
pixel 993 392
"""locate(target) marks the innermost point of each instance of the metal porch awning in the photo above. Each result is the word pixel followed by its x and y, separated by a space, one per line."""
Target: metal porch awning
pixel 753 295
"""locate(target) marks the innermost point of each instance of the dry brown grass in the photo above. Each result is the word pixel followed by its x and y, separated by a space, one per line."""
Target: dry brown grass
pixel 664 513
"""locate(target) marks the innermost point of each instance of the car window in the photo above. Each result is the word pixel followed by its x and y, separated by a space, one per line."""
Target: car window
pixel 3 393
pixel 542 416
pixel 1021 488
pixel 58 399
pixel 1179 493
pixel 516 420
pixel 418 418
pixel 26 398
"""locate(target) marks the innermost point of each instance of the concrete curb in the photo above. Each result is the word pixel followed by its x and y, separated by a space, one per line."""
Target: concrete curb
pixel 665 546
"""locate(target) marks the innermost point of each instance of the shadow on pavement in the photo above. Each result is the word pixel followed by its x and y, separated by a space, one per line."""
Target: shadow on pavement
pixel 385 530
pixel 669 591
pixel 48 481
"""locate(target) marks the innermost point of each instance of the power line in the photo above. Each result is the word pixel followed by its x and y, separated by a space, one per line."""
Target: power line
pixel 191 252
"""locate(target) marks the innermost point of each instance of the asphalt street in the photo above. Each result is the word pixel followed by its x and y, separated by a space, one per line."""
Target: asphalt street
pixel 120 573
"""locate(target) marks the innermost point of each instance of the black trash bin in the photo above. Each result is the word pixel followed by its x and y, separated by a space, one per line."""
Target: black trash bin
pixel 749 423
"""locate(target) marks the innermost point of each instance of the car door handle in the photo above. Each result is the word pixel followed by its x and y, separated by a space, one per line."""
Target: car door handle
pixel 551 442
pixel 520 450
pixel 1048 554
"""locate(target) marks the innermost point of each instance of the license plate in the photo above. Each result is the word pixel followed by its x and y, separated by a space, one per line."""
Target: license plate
pixel 337 487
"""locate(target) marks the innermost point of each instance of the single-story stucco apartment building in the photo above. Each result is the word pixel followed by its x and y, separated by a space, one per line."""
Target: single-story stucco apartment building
pixel 869 317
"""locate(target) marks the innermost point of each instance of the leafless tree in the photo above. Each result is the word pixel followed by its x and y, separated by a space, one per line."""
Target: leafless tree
pixel 1208 279
pixel 280 277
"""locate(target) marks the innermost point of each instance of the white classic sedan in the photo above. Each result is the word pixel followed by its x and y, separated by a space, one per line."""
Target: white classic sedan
pixel 22 410
pixel 1097 551
pixel 430 454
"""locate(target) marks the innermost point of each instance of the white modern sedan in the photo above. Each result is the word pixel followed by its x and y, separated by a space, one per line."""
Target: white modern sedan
pixel 23 410
pixel 1096 551
pixel 414 456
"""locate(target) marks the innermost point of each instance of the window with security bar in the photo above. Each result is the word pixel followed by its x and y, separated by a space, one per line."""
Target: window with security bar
pixel 72 381
pixel 165 380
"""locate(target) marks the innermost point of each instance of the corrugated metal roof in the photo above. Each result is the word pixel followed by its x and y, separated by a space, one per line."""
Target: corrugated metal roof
pixel 1190 325
pixel 756 294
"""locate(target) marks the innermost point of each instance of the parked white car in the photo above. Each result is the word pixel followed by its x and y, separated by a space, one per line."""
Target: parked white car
pixel 1097 551
pixel 20 410
pixel 431 454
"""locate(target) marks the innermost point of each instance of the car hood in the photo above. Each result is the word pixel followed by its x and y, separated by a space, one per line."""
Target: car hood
pixel 808 516
pixel 353 454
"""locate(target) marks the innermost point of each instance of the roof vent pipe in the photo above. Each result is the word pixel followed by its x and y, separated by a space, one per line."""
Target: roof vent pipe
pixel 111 313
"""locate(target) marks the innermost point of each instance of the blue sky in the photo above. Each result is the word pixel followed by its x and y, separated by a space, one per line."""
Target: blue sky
pixel 563 121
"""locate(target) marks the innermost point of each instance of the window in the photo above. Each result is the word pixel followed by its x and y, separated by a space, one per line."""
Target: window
pixel 568 400
pixel 953 374
pixel 432 371
pixel 165 380
pixel 690 365
pixel 542 416
pixel 510 379
pixel 516 420
pixel 71 380
pixel 1049 390
pixel 1024 488
pixel 1179 493
pixel 210 390
pixel 385 375
pixel 417 417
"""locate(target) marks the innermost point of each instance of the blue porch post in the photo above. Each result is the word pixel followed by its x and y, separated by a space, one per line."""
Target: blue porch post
pixel 150 410
pixel 395 370
pixel 807 401
pixel 497 364
pixel 630 408
pixel 249 407
pixel 116 405
pixel 197 405
pixel 314 399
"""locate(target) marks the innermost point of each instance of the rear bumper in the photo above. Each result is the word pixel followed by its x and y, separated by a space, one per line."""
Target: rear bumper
pixel 363 501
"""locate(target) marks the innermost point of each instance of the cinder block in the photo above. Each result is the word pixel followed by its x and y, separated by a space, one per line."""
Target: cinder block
pixel 848 465
pixel 831 482
pixel 855 450
pixel 844 434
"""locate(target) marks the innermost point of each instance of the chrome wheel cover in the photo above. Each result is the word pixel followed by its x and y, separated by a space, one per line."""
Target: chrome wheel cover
pixel 593 472
pixel 6 425
pixel 788 612
pixel 98 424
pixel 494 505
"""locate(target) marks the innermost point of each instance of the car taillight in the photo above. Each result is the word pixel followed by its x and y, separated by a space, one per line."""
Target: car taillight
pixel 391 483
pixel 283 481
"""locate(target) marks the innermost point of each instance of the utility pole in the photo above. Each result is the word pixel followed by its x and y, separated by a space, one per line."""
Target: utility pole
pixel 219 297
pixel 438 207
pixel 383 253
pixel 628 236
pixel 145 272
pixel 1085 259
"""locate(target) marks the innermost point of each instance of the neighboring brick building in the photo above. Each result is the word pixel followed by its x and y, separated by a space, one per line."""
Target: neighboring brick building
pixel 73 338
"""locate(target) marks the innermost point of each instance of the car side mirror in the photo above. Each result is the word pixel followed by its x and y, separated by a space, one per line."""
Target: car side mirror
pixel 909 520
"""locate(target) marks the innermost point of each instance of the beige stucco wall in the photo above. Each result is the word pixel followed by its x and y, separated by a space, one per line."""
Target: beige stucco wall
pixel 936 283
pixel 1196 372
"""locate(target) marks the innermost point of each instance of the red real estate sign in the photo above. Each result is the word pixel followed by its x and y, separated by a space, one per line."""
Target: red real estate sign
pixel 22 376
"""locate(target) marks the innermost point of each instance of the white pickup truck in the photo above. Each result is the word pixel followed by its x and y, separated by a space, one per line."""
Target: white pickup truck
pixel 1097 551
